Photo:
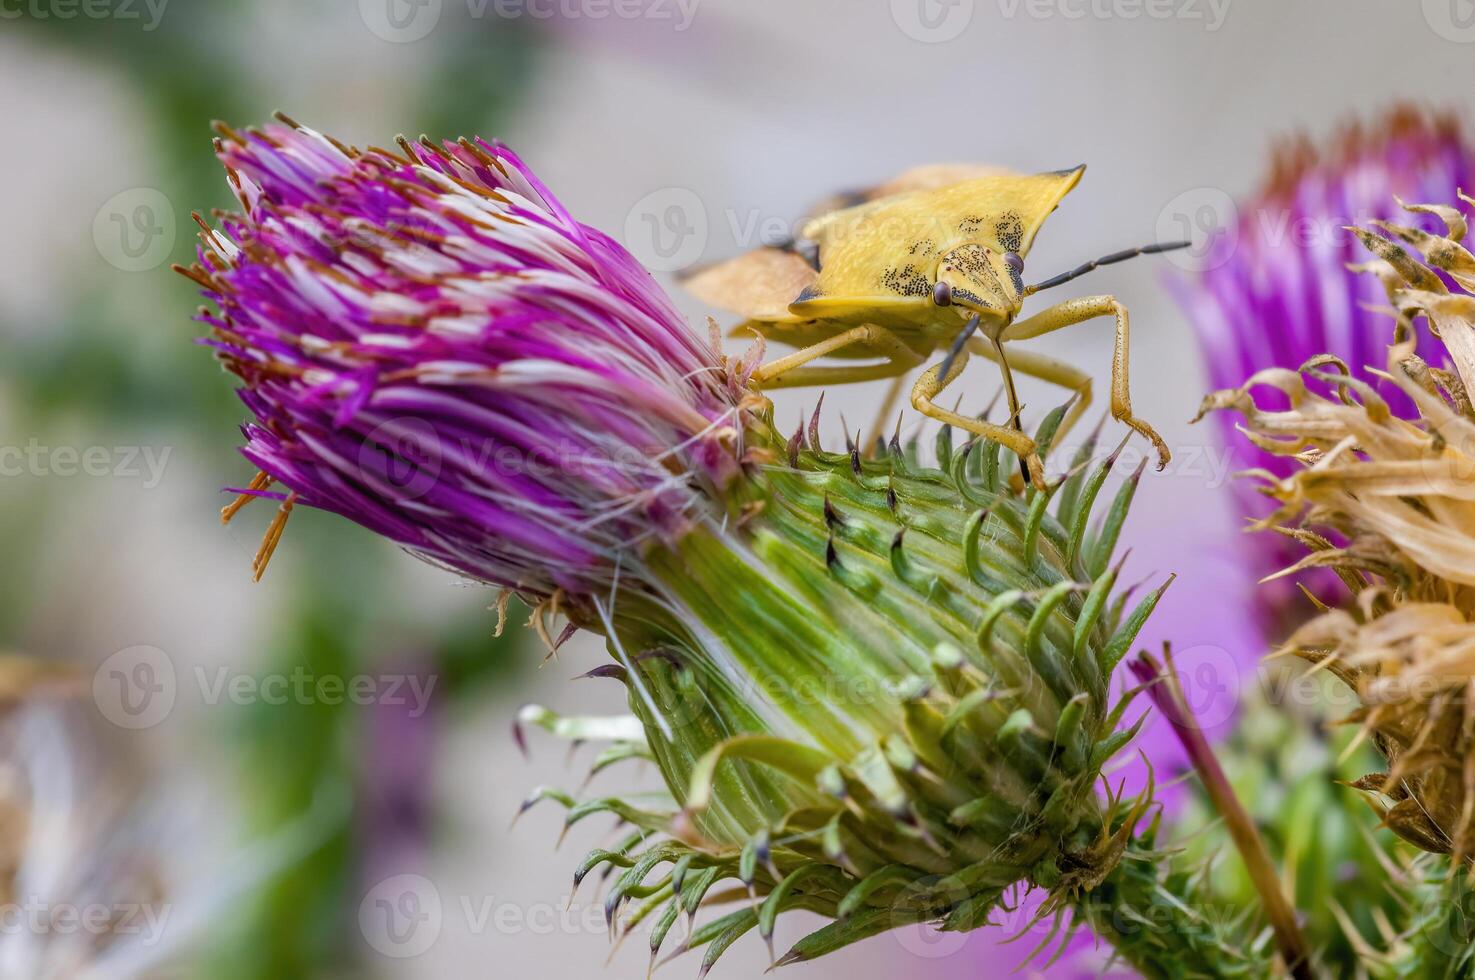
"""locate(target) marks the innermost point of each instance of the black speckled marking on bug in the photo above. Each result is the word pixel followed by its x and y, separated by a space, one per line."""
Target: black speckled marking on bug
pixel 1017 277
pixel 1009 231
pixel 972 261
pixel 971 299
pixel 907 281
pixel 969 226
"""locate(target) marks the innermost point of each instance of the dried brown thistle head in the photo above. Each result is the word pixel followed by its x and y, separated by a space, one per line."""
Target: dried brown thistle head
pixel 1389 504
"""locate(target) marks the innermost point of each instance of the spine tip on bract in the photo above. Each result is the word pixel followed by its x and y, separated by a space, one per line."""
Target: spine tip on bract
pixel 814 442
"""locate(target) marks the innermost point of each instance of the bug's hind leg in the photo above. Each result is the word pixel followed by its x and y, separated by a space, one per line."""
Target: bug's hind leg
pixel 1074 311
pixel 929 386
pixel 789 371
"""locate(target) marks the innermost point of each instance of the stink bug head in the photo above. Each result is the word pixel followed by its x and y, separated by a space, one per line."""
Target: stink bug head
pixel 975 278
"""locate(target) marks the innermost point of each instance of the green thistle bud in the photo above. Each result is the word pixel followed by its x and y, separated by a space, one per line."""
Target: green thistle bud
pixel 879 692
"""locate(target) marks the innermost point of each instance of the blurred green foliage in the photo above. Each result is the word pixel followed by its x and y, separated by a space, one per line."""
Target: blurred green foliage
pixel 1287 761
pixel 118 358
pixel 301 759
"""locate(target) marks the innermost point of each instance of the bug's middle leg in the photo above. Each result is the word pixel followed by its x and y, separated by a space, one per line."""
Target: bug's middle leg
pixel 883 412
pixel 929 386
pixel 1074 311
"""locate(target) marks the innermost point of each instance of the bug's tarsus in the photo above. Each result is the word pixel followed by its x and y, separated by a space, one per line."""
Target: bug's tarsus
pixel 1114 257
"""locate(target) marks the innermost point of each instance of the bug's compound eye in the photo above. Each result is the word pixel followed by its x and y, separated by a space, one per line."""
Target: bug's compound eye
pixel 1014 261
pixel 942 294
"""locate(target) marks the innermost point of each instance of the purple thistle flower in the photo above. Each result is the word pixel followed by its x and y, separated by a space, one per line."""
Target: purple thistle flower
pixel 1276 290
pixel 433 348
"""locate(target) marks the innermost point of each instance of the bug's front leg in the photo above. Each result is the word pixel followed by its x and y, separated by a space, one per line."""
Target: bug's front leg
pixel 1074 311
pixel 1056 372
pixel 929 386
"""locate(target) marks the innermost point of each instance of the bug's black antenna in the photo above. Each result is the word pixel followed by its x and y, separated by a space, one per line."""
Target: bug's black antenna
pixel 1104 260
pixel 957 347
pixel 1015 409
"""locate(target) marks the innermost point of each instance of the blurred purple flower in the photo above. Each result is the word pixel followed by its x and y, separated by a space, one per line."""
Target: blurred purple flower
pixel 1275 289
pixel 435 349
pixel 399 737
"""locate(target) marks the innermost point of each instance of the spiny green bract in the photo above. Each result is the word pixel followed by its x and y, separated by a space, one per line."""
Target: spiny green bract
pixel 879 691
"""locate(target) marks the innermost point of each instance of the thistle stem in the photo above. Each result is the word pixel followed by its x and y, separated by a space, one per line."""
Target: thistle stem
pixel 1167 694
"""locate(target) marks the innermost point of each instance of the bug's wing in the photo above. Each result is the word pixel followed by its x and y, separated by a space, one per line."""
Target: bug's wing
pixel 759 285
